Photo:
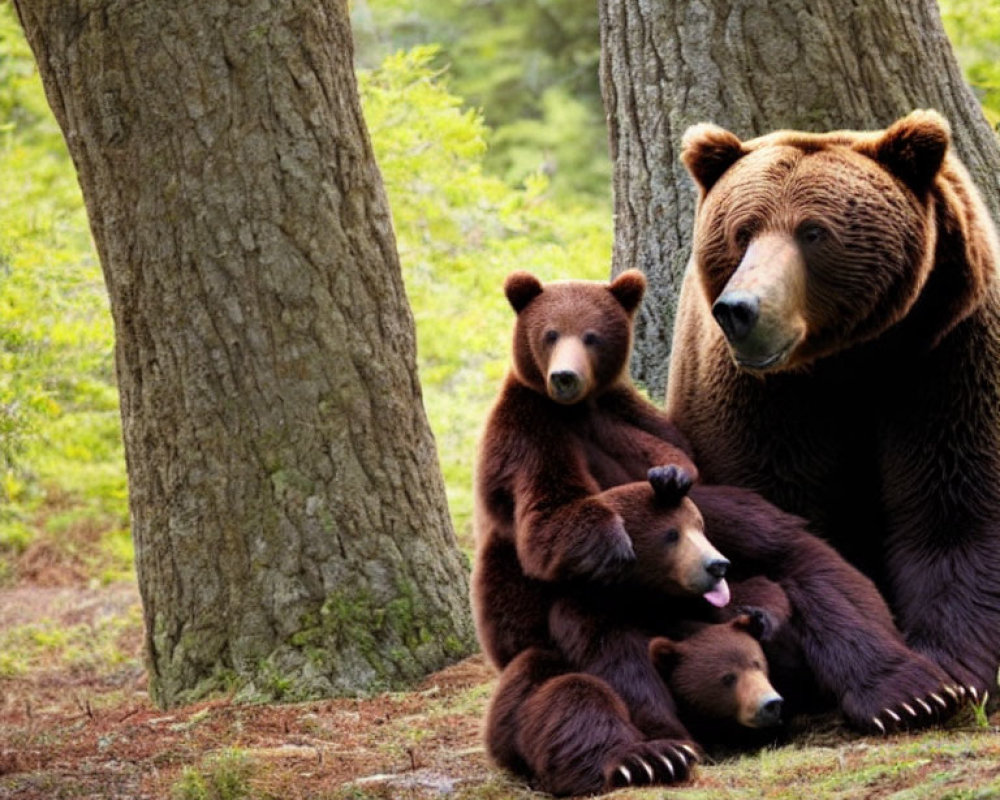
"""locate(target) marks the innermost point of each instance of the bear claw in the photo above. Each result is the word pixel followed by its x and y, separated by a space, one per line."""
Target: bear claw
pixel 645 766
pixel 668 765
pixel 939 700
pixel 691 751
pixel 878 724
pixel 924 705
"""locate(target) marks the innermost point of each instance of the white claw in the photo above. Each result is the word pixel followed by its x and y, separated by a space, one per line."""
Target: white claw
pixel 909 709
pixel 924 705
pixel 625 774
pixel 878 723
pixel 645 766
pixel 691 750
pixel 951 691
pixel 975 694
pixel 893 714
pixel 986 697
pixel 939 700
pixel 680 755
pixel 669 766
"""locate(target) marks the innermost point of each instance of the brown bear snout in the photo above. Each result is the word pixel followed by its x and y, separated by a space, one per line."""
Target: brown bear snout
pixel 569 378
pixel 736 312
pixel 769 711
pixel 761 309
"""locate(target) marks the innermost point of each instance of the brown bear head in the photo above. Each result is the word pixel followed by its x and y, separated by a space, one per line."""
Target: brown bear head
pixel 572 339
pixel 720 673
pixel 807 244
pixel 673 556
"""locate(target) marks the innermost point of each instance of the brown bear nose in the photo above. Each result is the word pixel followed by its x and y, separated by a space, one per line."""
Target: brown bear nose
pixel 736 312
pixel 565 384
pixel 769 712
pixel 717 568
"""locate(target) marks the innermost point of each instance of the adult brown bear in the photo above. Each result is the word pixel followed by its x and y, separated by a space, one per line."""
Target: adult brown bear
pixel 851 372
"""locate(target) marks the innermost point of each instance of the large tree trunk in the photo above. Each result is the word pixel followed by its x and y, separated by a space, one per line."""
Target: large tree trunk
pixel 753 66
pixel 288 512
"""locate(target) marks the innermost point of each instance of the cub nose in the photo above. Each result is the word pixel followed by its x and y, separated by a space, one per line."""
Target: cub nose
pixel 717 568
pixel 769 711
pixel 737 312
pixel 565 384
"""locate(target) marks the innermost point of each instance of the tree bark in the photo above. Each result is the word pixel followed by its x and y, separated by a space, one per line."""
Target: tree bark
pixel 754 66
pixel 288 513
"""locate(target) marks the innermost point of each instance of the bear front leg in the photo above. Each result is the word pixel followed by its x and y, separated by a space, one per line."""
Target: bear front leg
pixel 841 622
pixel 947 601
pixel 582 538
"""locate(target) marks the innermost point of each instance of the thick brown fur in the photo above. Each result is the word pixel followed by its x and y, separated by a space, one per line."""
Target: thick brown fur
pixel 557 458
pixel 859 386
pixel 550 447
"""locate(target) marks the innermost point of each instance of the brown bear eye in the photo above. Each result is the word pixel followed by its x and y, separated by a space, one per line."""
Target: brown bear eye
pixel 671 536
pixel 812 234
pixel 729 679
pixel 550 337
pixel 590 339
pixel 743 236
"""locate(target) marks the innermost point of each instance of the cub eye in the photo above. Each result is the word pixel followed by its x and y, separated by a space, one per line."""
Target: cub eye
pixel 590 339
pixel 550 336
pixel 729 679
pixel 812 234
pixel 671 536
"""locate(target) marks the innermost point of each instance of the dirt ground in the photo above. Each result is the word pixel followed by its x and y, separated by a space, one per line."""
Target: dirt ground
pixel 83 727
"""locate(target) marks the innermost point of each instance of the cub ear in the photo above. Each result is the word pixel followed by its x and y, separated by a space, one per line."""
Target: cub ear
pixel 913 148
pixel 521 288
pixel 707 151
pixel 670 483
pixel 665 655
pixel 628 289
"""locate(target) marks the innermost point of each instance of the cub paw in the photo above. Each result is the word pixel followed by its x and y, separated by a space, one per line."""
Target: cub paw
pixel 761 623
pixel 607 557
pixel 659 761
pixel 913 694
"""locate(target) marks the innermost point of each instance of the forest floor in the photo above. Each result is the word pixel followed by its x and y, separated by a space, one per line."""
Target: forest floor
pixel 76 722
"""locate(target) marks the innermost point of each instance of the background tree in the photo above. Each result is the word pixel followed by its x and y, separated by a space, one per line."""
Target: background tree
pixel 753 67
pixel 288 513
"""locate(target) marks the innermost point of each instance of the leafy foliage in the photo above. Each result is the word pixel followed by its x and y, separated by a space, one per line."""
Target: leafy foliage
pixel 531 65
pixel 460 231
pixel 974 29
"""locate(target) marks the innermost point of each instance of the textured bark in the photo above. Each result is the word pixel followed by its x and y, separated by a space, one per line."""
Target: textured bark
pixel 753 66
pixel 288 512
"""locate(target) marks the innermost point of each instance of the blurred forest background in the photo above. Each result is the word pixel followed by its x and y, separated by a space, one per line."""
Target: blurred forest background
pixel 487 122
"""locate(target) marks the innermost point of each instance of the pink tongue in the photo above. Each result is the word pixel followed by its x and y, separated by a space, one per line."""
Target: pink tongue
pixel 718 596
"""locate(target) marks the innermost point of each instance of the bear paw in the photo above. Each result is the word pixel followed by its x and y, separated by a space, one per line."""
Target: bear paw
pixel 913 694
pixel 654 762
pixel 762 624
pixel 608 561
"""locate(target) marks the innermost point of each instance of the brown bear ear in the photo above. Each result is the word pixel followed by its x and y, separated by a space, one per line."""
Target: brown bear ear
pixel 913 148
pixel 521 288
pixel 665 654
pixel 628 289
pixel 670 483
pixel 708 151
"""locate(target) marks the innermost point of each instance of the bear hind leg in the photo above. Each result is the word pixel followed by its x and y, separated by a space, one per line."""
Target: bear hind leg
pixel 575 737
